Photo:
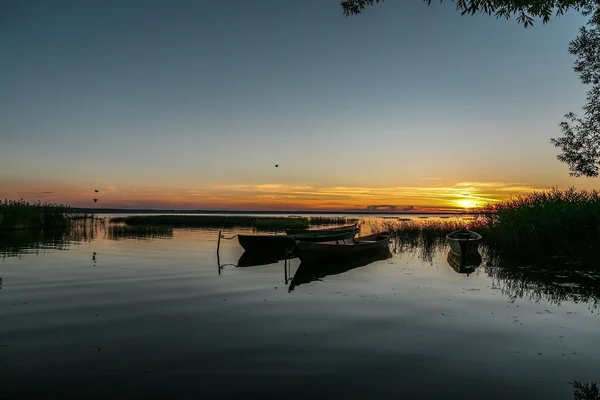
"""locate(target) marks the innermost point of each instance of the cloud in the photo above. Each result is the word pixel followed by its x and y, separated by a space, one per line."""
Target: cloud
pixel 379 207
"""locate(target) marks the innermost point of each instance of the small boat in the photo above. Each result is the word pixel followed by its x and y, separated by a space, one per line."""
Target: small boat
pixel 347 228
pixel 309 272
pixel 464 242
pixel 339 250
pixel 278 244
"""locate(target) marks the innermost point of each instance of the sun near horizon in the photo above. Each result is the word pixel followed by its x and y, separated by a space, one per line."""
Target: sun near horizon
pixel 407 108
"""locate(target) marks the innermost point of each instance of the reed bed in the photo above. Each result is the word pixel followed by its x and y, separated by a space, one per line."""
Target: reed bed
pixel 549 223
pixel 118 232
pixel 229 221
pixel 324 221
pixel 19 214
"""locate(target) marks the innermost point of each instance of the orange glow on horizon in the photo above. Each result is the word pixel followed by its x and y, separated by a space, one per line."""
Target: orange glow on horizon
pixel 460 196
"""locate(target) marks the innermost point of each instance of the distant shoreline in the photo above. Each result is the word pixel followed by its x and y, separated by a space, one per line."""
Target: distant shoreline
pixel 270 212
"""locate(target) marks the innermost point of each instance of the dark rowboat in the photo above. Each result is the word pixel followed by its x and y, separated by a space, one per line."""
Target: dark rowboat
pixel 309 272
pixel 340 250
pixel 278 244
pixel 464 243
pixel 347 228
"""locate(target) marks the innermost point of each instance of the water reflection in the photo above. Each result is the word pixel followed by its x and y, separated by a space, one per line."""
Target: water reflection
pixel 466 265
pixel 554 281
pixel 17 243
pixel 307 273
pixel 254 259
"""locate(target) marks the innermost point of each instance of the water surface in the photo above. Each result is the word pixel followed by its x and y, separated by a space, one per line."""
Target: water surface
pixel 87 316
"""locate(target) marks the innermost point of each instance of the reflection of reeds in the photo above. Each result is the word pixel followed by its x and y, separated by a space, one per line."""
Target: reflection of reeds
pixel 139 232
pixel 555 281
pixel 229 221
pixel 18 242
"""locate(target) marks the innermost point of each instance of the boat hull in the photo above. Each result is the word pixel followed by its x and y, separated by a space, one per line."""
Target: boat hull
pixel 279 244
pixel 464 243
pixel 332 251
pixel 325 236
pixel 339 229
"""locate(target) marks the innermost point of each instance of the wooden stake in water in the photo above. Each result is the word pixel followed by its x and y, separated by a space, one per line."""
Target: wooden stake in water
pixel 219 243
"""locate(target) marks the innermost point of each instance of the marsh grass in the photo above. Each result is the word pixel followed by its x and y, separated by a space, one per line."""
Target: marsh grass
pixel 139 232
pixel 230 221
pixel 324 221
pixel 550 223
pixel 19 214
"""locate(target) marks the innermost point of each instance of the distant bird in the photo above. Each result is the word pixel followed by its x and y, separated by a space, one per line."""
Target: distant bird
pixel 95 200
pixel 276 165
pixel 96 190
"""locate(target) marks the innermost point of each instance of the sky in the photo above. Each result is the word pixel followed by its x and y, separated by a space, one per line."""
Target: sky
pixel 191 104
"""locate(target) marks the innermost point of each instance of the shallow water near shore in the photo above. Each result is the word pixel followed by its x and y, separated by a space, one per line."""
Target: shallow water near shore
pixel 94 317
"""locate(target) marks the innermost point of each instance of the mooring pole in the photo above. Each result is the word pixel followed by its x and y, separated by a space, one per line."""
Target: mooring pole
pixel 219 242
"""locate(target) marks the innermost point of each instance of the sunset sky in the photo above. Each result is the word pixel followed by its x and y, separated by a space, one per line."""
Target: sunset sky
pixel 190 104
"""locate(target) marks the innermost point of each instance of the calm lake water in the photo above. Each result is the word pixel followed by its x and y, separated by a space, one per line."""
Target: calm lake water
pixel 90 316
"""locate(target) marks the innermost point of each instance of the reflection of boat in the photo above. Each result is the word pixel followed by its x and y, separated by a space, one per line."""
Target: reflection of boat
pixel 353 248
pixel 464 242
pixel 464 265
pixel 338 229
pixel 253 259
pixel 309 272
pixel 266 243
pixel 280 243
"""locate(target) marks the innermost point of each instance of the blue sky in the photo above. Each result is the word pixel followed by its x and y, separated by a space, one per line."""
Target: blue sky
pixel 173 97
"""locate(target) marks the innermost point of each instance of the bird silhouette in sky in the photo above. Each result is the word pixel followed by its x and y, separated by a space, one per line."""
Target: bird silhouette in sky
pixel 96 190
pixel 276 165
pixel 95 200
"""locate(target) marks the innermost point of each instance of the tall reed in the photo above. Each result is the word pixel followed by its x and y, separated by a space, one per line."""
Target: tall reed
pixel 19 214
pixel 551 222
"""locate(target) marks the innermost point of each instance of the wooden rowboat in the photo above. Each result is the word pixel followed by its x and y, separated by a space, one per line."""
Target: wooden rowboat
pixel 346 249
pixel 280 243
pixel 347 228
pixel 464 243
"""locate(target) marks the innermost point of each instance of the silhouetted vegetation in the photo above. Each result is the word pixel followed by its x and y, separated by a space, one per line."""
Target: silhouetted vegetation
pixel 138 232
pixel 545 223
pixel 19 214
pixel 564 223
pixel 230 221
pixel 323 221
pixel 585 391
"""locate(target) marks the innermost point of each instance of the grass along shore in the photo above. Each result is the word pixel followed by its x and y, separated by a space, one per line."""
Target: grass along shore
pixel 260 223
pixel 19 214
pixel 552 223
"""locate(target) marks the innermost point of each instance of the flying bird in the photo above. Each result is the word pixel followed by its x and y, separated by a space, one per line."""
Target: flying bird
pixel 95 200
pixel 96 190
pixel 276 165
